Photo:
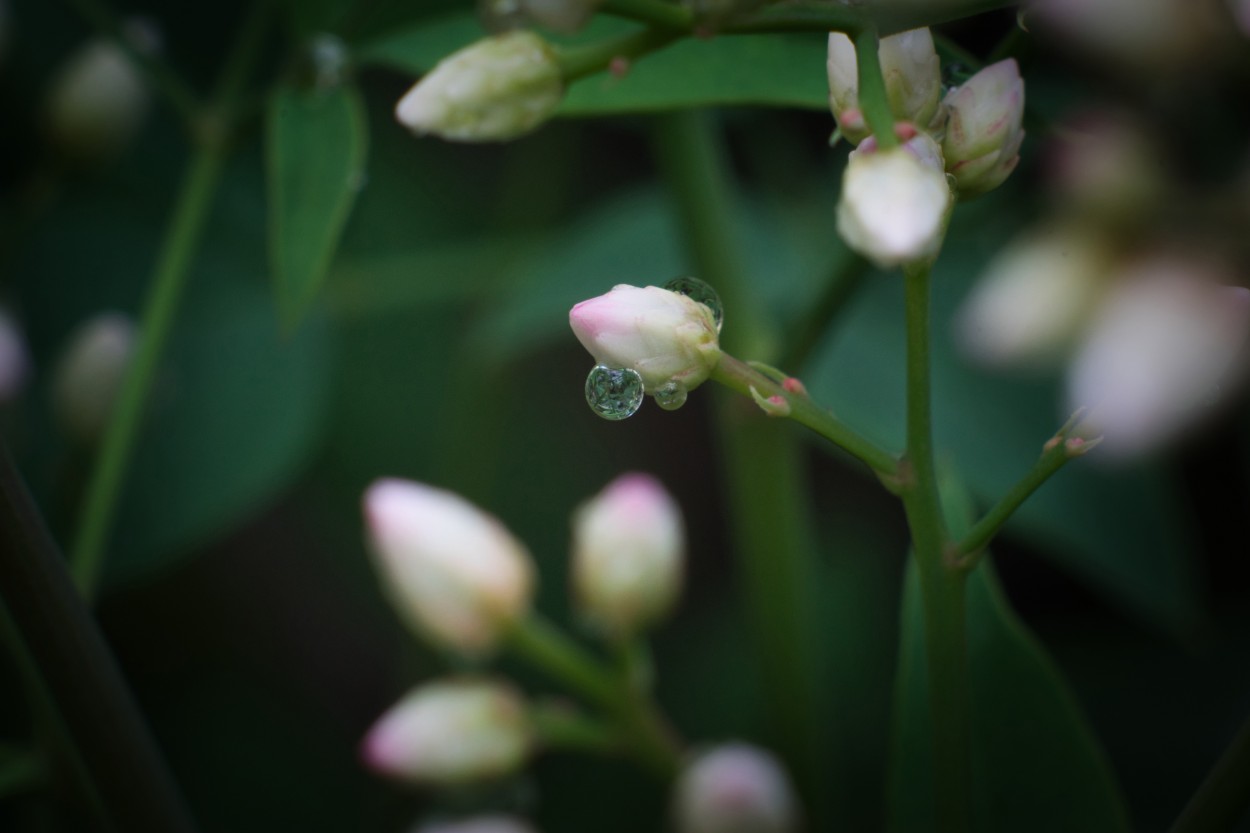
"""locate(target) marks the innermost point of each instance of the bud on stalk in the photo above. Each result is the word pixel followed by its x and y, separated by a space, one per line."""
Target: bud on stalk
pixel 983 130
pixel 913 81
pixel 735 788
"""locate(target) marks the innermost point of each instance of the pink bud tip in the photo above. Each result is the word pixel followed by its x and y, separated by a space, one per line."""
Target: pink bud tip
pixel 793 385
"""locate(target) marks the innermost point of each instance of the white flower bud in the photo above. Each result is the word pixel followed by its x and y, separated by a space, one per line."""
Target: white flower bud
pixel 1164 343
pixel 895 202
pixel 983 129
pixel 628 547
pixel 495 89
pixel 913 81
pixel 89 375
pixel 478 824
pixel 14 360
pixel 450 732
pixel 1034 298
pixel 735 788
pixel 665 336
pixel 1157 37
pixel 454 572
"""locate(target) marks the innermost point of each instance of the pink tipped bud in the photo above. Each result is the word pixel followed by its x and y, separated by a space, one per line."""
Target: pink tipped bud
pixel 454 572
pixel 1165 342
pixel 450 732
pixel 478 824
pixel 895 202
pixel 496 89
pixel 735 788
pixel 89 375
pixel 628 549
pixel 664 335
pixel 983 128
pixel 913 81
pixel 14 361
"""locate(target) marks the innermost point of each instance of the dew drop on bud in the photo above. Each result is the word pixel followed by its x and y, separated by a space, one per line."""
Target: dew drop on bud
pixel 614 393
pixel 671 396
pixel 697 290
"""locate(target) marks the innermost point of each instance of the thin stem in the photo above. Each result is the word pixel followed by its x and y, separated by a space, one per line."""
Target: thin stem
pixel 544 646
pixel 942 586
pixel 78 671
pixel 1224 796
pixel 651 12
pixel 559 727
pixel 874 101
pixel 173 268
pixel 580 61
pixel 741 377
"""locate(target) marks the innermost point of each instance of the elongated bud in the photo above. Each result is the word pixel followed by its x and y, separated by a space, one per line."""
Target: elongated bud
pixel 98 99
pixel 496 89
pixel 14 360
pixel 735 788
pixel 895 202
pixel 1165 342
pixel 913 81
pixel 628 548
pixel 663 335
pixel 1035 297
pixel 88 377
pixel 449 732
pixel 983 129
pixel 454 572
pixel 478 824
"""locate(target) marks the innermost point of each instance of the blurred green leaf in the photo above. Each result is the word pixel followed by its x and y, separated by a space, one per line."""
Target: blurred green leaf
pixel 316 146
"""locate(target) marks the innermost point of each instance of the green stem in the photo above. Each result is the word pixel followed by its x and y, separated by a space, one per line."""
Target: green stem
pixel 941 584
pixel 651 12
pixel 559 727
pixel 78 671
pixel 544 646
pixel 579 61
pixel 874 100
pixel 1222 800
pixel 173 267
pixel 741 377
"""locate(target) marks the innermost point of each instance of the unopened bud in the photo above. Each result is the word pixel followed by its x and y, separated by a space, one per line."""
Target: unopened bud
pixel 1165 342
pixel 773 406
pixel 735 788
pixel 983 128
pixel 452 571
pixel 493 90
pixel 478 824
pixel 895 202
pixel 89 375
pixel 1034 298
pixel 451 732
pixel 913 81
pixel 1105 166
pixel 663 335
pixel 628 549
pixel 14 361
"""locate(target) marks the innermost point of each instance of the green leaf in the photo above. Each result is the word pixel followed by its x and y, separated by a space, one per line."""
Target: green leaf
pixel 316 144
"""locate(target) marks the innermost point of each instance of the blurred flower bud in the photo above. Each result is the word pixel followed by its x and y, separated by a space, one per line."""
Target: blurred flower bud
pixel 14 361
pixel 913 81
pixel 735 788
pixel 1241 15
pixel 564 16
pixel 895 202
pixel 1152 36
pixel 492 90
pixel 454 572
pixel 89 374
pixel 478 824
pixel 628 547
pixel 983 128
pixel 1165 341
pixel 1034 298
pixel 1104 165
pixel 98 99
pixel 450 732
pixel 665 336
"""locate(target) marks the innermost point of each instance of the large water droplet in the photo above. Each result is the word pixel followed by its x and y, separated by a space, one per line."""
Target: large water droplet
pixel 614 393
pixel 697 290
pixel 671 396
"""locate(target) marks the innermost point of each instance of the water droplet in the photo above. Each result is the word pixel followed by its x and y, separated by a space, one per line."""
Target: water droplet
pixel 614 393
pixel 697 290
pixel 671 396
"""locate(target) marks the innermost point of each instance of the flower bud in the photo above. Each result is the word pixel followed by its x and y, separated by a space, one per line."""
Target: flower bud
pixel 89 375
pixel 14 361
pixel 735 788
pixel 1165 341
pixel 664 335
pixel 454 572
pixel 628 547
pixel 913 81
pixel 1034 298
pixel 478 824
pixel 895 202
pixel 492 90
pixel 1104 165
pixel 983 128
pixel 451 732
